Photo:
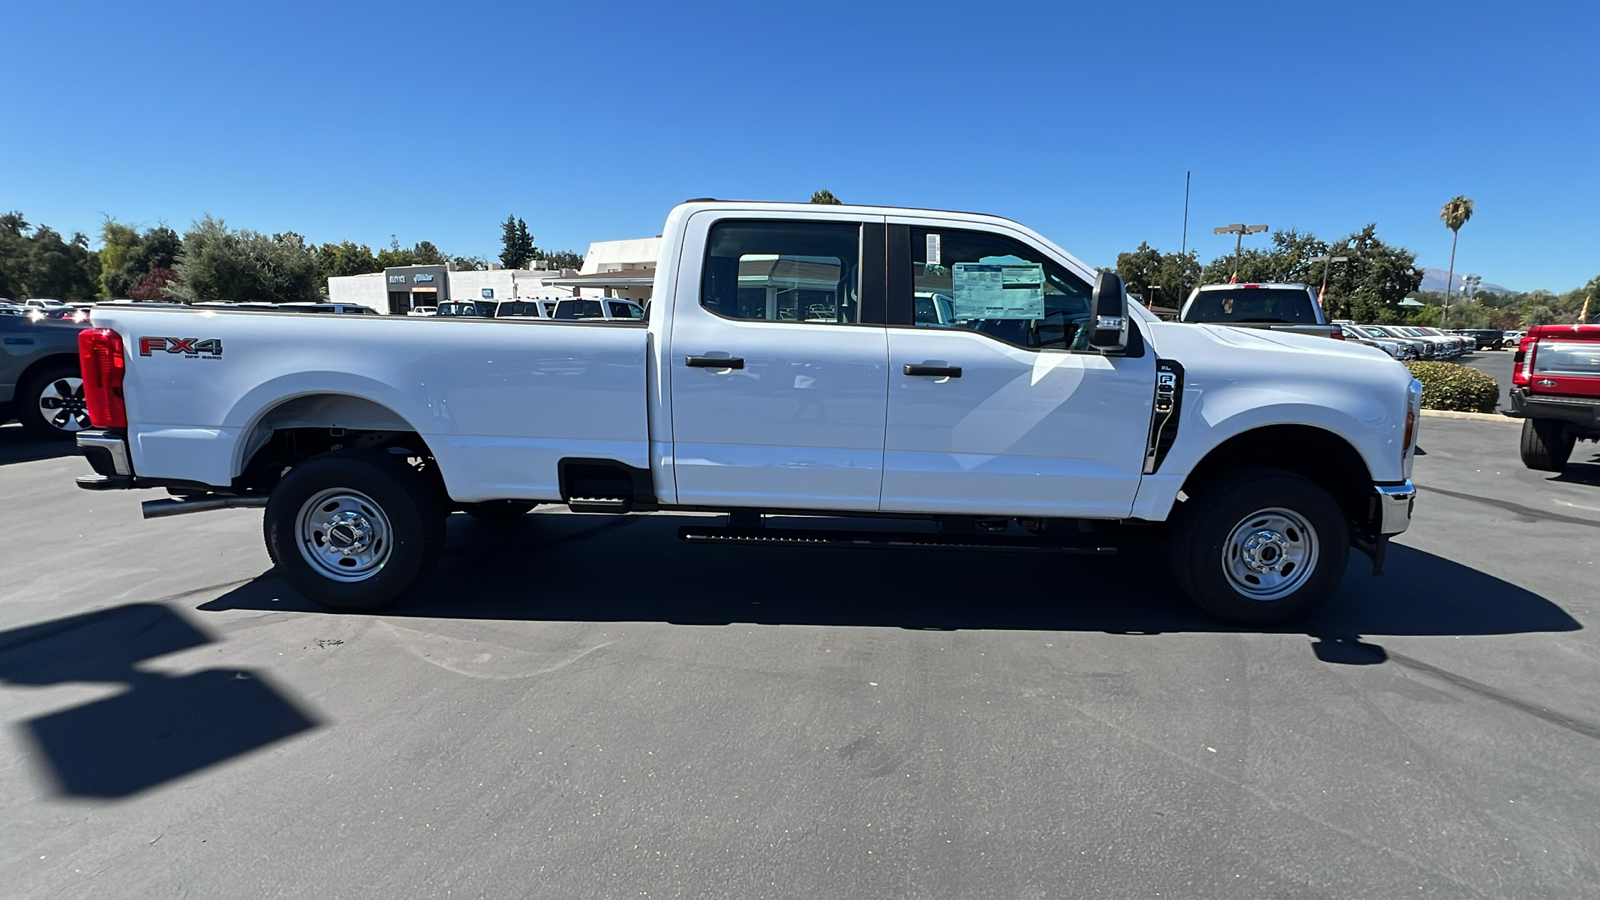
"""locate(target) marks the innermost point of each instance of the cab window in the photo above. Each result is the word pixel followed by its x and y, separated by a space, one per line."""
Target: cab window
pixel 801 272
pixel 998 286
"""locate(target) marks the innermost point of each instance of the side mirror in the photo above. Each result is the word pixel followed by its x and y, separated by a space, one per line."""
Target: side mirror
pixel 1110 314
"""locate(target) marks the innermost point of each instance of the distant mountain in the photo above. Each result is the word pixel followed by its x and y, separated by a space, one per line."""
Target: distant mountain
pixel 1433 280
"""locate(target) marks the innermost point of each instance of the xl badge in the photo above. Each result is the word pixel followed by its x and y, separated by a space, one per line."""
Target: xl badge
pixel 190 347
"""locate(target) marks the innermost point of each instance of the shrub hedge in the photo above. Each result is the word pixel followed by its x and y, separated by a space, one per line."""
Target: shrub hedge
pixel 1455 387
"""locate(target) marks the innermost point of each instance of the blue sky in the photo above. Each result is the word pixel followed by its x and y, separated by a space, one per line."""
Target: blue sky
pixel 434 121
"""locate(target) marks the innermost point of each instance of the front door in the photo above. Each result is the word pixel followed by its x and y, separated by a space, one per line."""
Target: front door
pixel 779 363
pixel 997 405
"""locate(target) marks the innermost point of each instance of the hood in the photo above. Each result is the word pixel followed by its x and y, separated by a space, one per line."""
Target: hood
pixel 1263 339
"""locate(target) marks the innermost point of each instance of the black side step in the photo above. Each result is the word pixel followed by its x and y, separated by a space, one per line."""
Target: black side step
pixel 809 537
pixel 615 505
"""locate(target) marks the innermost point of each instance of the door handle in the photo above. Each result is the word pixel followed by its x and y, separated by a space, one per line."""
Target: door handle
pixel 713 362
pixel 933 371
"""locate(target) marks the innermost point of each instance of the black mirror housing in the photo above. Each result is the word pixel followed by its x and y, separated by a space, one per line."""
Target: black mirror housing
pixel 1110 313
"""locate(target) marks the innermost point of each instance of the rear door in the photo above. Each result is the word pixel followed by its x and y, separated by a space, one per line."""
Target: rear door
pixel 779 361
pixel 997 405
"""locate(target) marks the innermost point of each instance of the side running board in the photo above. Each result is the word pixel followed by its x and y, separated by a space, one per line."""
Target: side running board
pixel 809 537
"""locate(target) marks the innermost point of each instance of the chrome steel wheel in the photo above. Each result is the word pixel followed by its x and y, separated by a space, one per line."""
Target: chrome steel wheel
pixel 62 406
pixel 344 535
pixel 1270 554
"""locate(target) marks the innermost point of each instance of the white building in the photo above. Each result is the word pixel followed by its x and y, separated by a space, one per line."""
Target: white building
pixel 624 269
pixel 399 290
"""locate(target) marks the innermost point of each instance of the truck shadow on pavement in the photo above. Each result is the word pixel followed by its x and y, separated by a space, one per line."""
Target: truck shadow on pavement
pixel 17 445
pixel 1581 471
pixel 159 728
pixel 592 568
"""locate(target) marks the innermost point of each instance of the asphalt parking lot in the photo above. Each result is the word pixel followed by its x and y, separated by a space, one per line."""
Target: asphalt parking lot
pixel 582 706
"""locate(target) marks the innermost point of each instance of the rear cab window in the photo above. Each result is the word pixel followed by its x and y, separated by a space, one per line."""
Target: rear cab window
pixel 1570 358
pixel 1270 306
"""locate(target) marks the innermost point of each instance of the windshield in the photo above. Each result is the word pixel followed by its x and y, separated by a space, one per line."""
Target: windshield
pixel 1276 306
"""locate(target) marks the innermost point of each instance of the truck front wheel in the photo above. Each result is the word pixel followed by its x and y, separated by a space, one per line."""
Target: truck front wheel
pixel 1260 547
pixel 353 530
pixel 1546 444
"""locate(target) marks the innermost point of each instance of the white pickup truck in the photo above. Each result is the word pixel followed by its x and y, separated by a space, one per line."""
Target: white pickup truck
pixel 784 369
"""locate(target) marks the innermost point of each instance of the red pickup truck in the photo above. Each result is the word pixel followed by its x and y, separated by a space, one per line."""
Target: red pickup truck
pixel 1555 389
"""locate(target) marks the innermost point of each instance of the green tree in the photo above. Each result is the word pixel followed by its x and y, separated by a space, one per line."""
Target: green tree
pixel 1538 314
pixel 1455 214
pixel 346 258
pixel 58 268
pixel 427 254
pixel 13 254
pixel 560 259
pixel 517 248
pixel 825 196
pixel 468 263
pixel 117 243
pixel 1164 279
pixel 220 264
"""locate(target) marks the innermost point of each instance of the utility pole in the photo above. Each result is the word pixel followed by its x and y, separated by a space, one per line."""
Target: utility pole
pixel 1184 248
pixel 1240 229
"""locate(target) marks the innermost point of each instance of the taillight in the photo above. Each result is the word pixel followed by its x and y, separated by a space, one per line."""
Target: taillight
pixel 1522 366
pixel 100 358
pixel 1338 333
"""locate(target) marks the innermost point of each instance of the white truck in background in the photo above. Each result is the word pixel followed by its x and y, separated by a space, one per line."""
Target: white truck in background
pixel 786 367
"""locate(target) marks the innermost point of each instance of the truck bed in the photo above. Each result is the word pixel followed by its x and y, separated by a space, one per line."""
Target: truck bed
pixel 498 403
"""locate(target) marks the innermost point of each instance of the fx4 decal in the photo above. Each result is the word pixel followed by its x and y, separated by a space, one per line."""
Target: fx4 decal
pixel 191 347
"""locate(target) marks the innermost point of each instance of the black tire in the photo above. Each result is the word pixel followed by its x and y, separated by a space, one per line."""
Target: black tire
pixel 1546 444
pixel 498 512
pixel 385 498
pixel 1268 517
pixel 58 386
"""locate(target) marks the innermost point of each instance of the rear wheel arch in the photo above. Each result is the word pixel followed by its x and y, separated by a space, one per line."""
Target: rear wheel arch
pixel 300 428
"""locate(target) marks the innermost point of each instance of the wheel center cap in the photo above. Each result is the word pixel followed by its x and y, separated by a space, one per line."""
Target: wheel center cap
pixel 1265 551
pixel 348 532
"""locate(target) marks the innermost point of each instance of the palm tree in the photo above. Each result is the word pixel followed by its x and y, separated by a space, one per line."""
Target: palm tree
pixel 1454 215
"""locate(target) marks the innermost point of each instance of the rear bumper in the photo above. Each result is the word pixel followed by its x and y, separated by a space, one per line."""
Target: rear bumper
pixel 1582 411
pixel 107 453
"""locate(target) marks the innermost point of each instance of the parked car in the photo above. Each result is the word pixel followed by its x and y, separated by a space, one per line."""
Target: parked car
pixel 1420 349
pixel 1555 390
pixel 467 309
pixel 1463 344
pixel 520 309
pixel 1278 307
pixel 40 384
pixel 1395 347
pixel 1434 347
pixel 1054 407
pixel 598 308
pixel 1485 338
pixel 423 311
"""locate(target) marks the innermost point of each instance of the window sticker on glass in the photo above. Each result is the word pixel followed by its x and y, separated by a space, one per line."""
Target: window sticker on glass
pixel 998 290
pixel 933 250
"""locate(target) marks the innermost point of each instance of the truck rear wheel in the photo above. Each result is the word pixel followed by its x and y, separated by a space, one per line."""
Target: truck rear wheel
pixel 353 530
pixel 1546 444
pixel 1260 547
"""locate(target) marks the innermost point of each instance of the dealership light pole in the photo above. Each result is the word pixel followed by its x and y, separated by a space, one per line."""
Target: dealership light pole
pixel 1240 229
pixel 1327 263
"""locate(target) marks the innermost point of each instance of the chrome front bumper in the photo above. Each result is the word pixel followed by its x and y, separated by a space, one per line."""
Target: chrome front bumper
pixel 1394 507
